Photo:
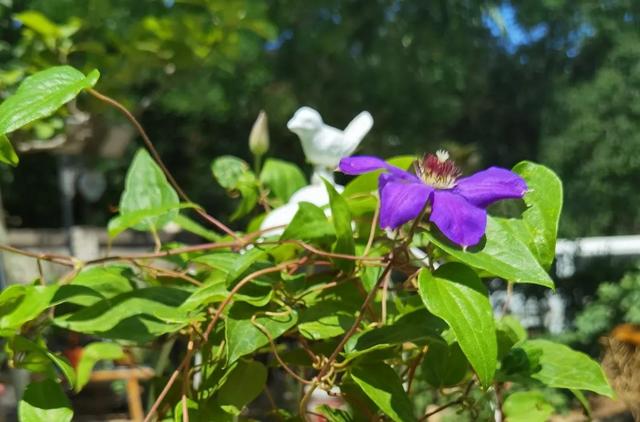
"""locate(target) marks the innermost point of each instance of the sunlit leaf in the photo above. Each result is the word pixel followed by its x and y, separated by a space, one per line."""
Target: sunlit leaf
pixel 455 293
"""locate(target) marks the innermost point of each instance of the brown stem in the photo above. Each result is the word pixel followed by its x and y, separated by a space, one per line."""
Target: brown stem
pixel 167 253
pixel 459 400
pixel 316 251
pixel 414 366
pixel 58 259
pixel 385 289
pixel 240 285
pixel 210 328
pixel 372 233
pixel 185 386
pixel 327 366
pixel 167 387
pixel 282 363
pixel 158 159
pixel 167 272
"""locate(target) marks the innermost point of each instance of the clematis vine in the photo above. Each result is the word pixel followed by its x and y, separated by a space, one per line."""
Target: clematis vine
pixel 457 204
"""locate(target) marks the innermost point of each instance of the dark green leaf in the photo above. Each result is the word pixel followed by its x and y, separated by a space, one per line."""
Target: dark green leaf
pixel 383 386
pixel 241 385
pixel 414 326
pixel 44 401
pixel 147 188
pixel 455 293
pixel 509 332
pixel 21 344
pixel 444 365
pixel 333 414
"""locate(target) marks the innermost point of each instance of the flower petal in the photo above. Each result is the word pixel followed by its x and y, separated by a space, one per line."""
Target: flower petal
pixel 365 164
pixel 401 200
pixel 361 164
pixel 491 185
pixel 458 219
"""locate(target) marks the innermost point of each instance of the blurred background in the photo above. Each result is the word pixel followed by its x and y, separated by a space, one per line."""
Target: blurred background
pixel 554 81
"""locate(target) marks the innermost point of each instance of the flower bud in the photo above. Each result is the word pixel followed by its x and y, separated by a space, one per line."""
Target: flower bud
pixel 259 136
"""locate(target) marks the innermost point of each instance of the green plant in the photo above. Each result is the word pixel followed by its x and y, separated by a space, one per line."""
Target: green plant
pixel 333 301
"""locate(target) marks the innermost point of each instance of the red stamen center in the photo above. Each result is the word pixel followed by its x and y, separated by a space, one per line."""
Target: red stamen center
pixel 438 170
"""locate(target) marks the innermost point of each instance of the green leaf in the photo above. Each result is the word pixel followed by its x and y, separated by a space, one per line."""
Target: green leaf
pixel 192 226
pixel 509 332
pixel 95 284
pixel 310 225
pixel 334 414
pixel 147 188
pixel 91 354
pixel 7 153
pixel 501 254
pixel 234 175
pixel 44 401
pixel 415 326
pixel 527 406
pixel 21 344
pixel 248 188
pixel 41 94
pixel 455 293
pixel 228 170
pixel 243 337
pixel 216 291
pixel 140 218
pixel 326 319
pixel 384 387
pixel 128 316
pixel 233 264
pixel 563 367
pixel 341 217
pixel 20 304
pixel 39 23
pixel 444 365
pixel 282 178
pixel 241 385
pixel 544 202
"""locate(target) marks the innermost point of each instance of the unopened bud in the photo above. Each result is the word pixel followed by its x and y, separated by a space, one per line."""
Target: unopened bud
pixel 259 136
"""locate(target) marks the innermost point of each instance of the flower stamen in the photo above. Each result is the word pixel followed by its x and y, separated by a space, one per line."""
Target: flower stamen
pixel 438 170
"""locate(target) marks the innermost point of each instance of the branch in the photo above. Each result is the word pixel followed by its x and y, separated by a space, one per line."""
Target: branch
pixel 158 159
pixel 327 366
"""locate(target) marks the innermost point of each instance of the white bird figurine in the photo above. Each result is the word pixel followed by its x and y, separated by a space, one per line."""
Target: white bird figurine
pixel 324 145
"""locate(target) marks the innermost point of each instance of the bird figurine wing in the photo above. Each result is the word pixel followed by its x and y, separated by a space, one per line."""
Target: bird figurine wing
pixel 355 131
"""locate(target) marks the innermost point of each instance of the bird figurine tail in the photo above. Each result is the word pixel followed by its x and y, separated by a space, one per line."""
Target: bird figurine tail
pixel 356 130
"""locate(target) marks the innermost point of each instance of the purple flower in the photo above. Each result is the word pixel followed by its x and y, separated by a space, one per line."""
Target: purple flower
pixel 458 205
